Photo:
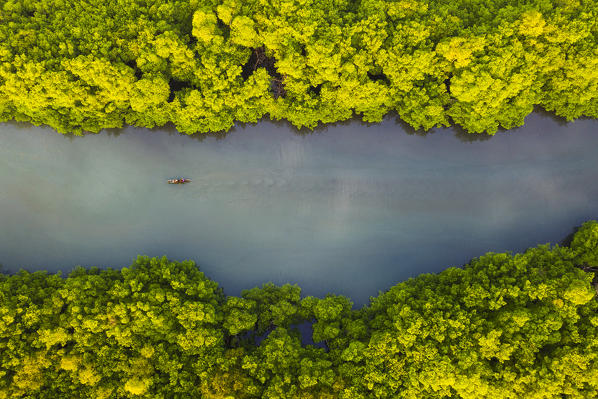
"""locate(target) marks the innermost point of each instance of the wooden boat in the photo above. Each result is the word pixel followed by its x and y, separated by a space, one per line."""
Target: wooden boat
pixel 178 181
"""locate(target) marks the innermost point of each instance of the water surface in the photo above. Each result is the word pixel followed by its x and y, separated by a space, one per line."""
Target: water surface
pixel 349 209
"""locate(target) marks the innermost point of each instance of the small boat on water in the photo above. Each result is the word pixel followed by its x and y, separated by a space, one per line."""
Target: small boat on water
pixel 178 181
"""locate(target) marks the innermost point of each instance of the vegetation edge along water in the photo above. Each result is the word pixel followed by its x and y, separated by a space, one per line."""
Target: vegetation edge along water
pixel 204 65
pixel 503 326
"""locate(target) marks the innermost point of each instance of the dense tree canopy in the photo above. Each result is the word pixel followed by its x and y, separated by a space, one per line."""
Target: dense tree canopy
pixel 203 65
pixel 503 326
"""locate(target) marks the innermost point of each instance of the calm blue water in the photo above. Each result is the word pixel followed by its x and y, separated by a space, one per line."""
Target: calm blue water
pixel 349 209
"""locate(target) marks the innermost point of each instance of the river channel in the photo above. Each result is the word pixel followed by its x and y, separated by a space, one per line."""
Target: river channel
pixel 349 209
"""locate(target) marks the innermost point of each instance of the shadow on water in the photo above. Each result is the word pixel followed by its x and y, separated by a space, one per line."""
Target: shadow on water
pixel 321 127
pixel 461 134
pixel 19 125
pixel 465 137
pixel 559 120
pixel 565 242
pixel 458 131
pixel 168 128
pixel 171 130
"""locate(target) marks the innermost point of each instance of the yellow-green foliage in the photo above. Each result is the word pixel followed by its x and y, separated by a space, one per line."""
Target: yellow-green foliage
pixel 87 65
pixel 504 326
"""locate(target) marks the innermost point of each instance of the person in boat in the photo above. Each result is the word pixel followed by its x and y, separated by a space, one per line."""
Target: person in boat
pixel 181 180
